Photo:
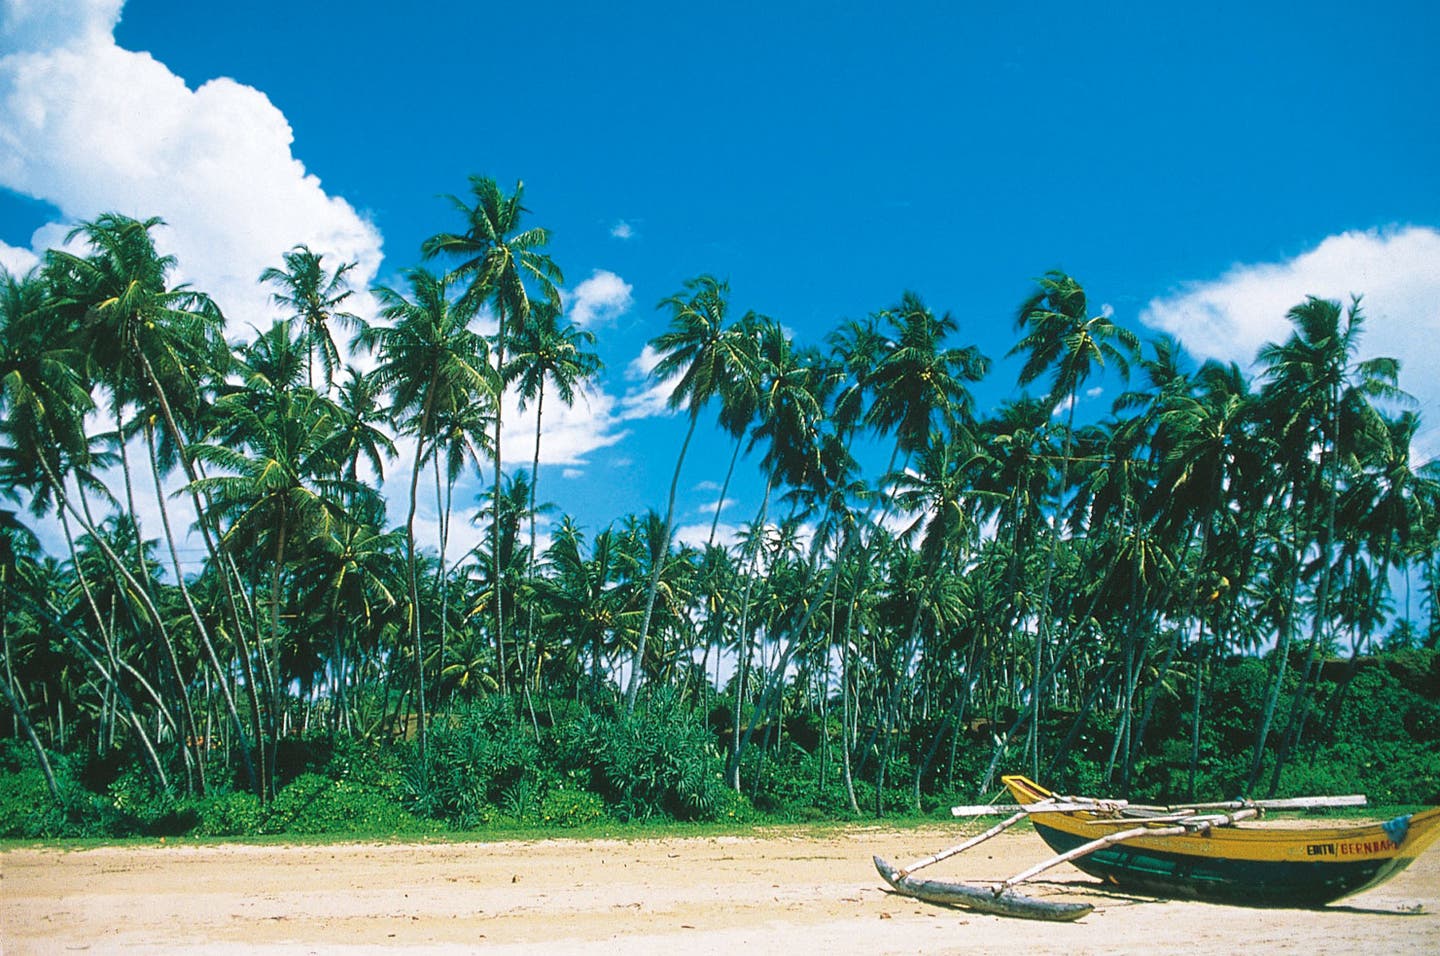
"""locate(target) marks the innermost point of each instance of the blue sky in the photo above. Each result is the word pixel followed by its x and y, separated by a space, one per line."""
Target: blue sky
pixel 1199 170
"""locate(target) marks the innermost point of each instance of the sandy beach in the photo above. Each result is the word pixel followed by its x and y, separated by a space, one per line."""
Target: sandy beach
pixel 781 891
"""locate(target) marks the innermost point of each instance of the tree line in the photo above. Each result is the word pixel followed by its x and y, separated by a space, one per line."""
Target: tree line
pixel 1014 588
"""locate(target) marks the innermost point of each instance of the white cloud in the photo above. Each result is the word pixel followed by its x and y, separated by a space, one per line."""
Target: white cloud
pixel 18 261
pixel 696 535
pixel 569 433
pixel 622 230
pixel 711 507
pixel 648 398
pixel 601 298
pixel 47 24
pixel 465 534
pixel 572 473
pixel 643 364
pixel 1230 317
pixel 214 162
pixel 1397 270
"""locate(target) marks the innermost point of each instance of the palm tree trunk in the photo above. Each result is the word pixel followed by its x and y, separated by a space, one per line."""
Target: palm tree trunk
pixel 1272 697
pixel 106 630
pixel 742 637
pixel 632 690
pixel 203 519
pixel 442 505
pixel 62 499
pixel 495 518
pixel 1042 623
pixel 724 487
pixel 200 629
pixel 34 739
pixel 415 594
pixel 530 665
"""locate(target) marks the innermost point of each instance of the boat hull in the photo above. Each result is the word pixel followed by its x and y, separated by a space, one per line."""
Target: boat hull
pixel 1251 882
pixel 1253 865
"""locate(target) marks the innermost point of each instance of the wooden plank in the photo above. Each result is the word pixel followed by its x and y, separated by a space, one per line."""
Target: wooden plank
pixel 1122 807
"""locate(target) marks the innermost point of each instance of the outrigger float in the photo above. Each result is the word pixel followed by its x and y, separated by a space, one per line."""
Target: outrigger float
pixel 1188 851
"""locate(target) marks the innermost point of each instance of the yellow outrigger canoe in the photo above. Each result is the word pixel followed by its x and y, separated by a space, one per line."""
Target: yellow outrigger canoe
pixel 1196 851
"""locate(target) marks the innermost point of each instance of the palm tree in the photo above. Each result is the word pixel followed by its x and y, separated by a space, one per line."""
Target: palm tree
pixel 500 261
pixel 739 404
pixel 547 351
pixel 349 584
pixel 1212 468
pixel 1392 499
pixel 43 402
pixel 18 565
pixel 1063 338
pixel 312 295
pixel 587 598
pixel 939 492
pixel 789 419
pixel 150 343
pixel 705 352
pixel 279 491
pixel 360 437
pixel 647 556
pixel 38 363
pixel 430 363
pixel 460 440
pixel 920 384
pixel 1319 395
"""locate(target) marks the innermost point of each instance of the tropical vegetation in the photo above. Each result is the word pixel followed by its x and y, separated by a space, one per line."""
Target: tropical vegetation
pixel 1228 583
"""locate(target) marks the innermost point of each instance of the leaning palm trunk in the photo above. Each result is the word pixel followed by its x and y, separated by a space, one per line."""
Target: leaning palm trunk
pixel 107 638
pixel 196 618
pixel 777 680
pixel 194 760
pixel 1299 705
pixel 62 499
pixel 498 567
pixel 19 711
pixel 443 497
pixel 891 713
pixel 213 551
pixel 1282 660
pixel 743 637
pixel 632 690
pixel 415 604
pixel 1042 623
pixel 530 653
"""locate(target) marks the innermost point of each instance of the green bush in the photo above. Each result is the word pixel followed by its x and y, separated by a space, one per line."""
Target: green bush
pixel 313 804
pixel 29 812
pixel 563 807
pixel 785 783
pixel 230 814
pixel 659 760
pixel 1388 772
pixel 481 760
pixel 137 807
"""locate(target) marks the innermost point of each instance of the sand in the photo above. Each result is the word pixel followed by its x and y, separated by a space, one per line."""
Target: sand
pixel 781 891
